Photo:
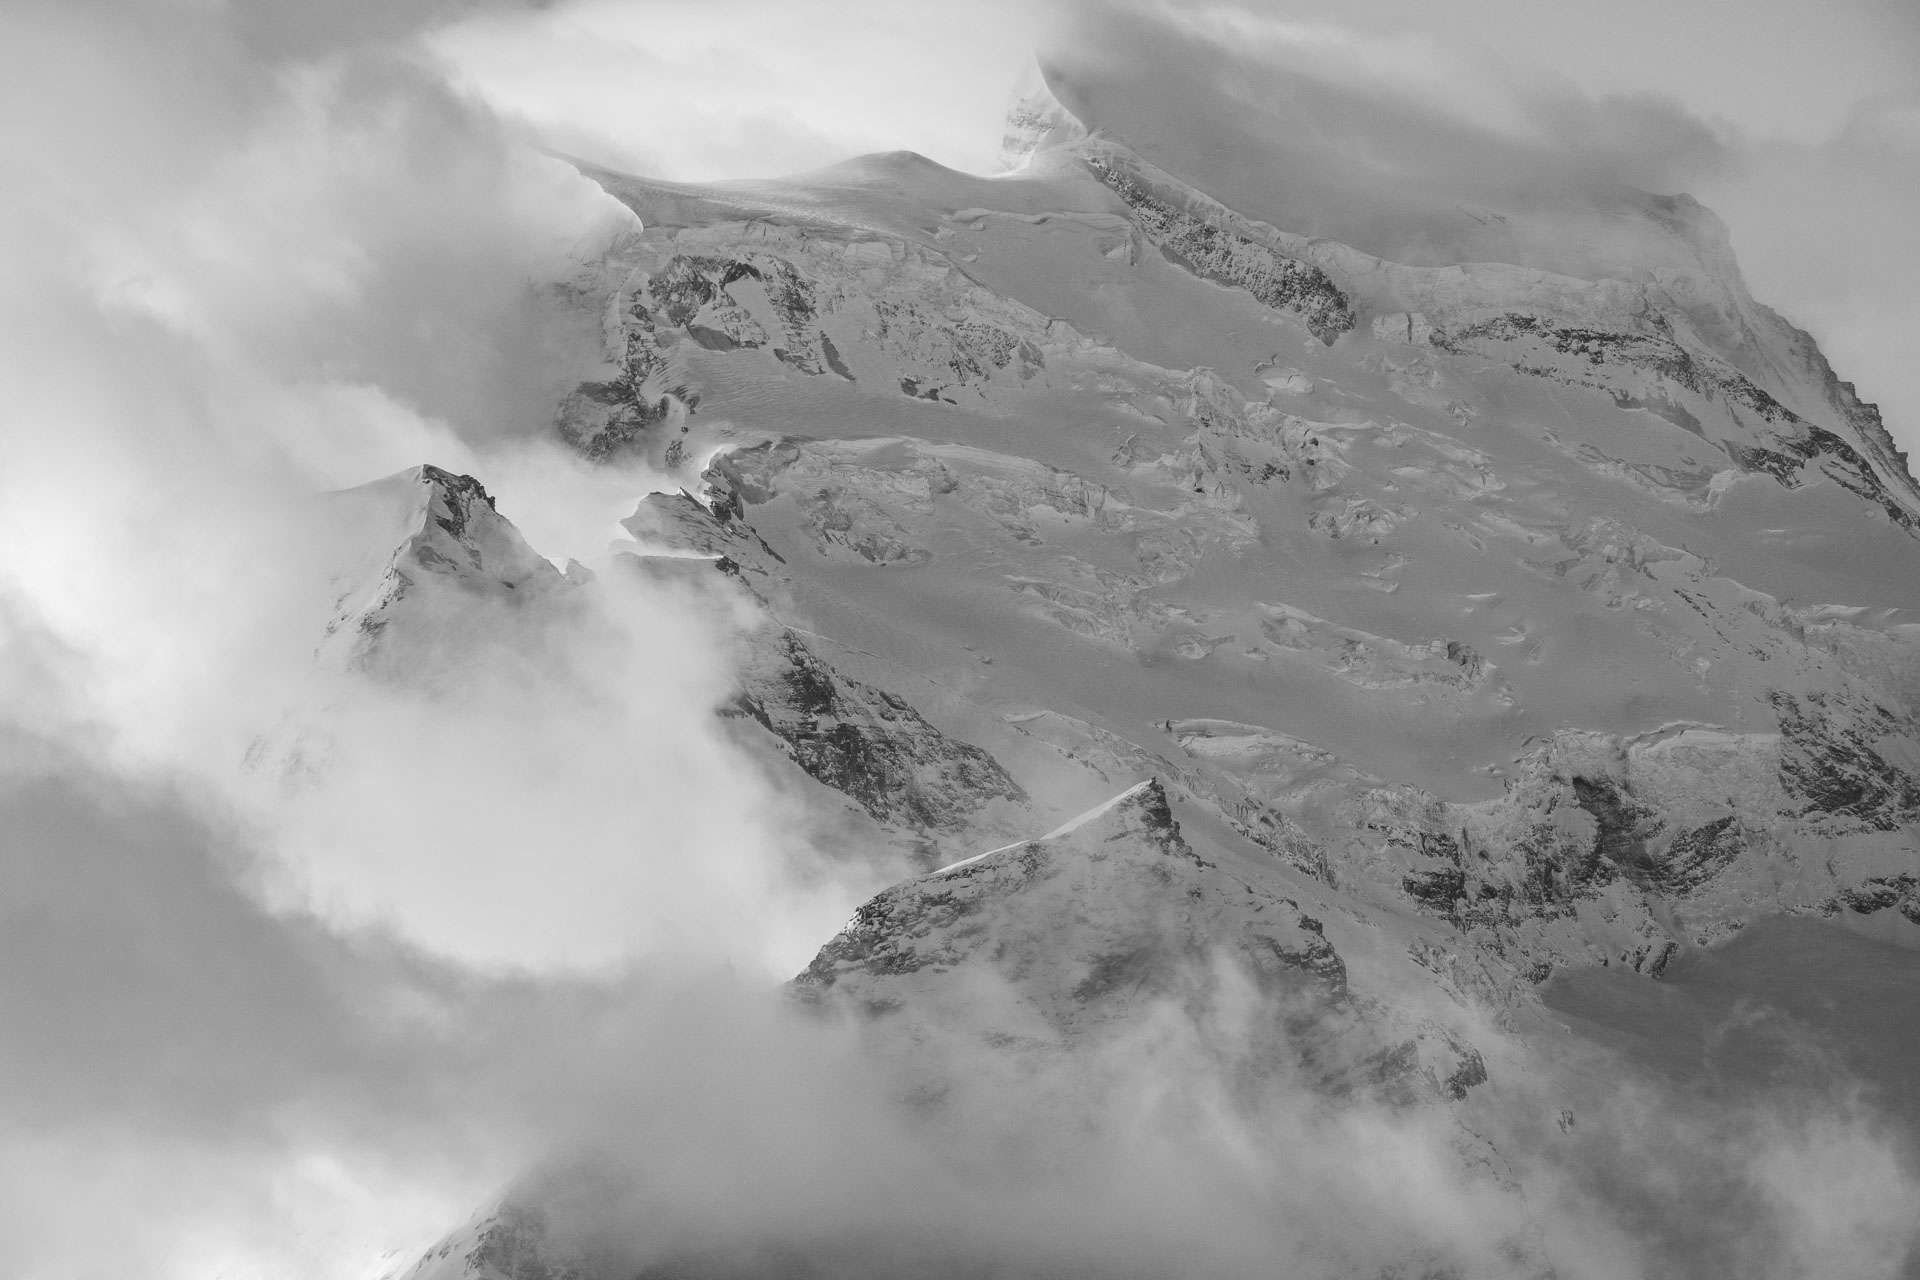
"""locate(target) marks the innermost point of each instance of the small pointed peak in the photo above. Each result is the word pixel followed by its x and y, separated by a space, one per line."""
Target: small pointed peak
pixel 453 484
pixel 1036 120
pixel 1142 809
pixel 1145 798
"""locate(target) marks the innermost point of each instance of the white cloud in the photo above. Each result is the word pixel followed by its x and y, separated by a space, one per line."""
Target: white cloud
pixel 741 88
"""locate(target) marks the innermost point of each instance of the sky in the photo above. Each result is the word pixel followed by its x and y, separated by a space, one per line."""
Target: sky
pixel 258 250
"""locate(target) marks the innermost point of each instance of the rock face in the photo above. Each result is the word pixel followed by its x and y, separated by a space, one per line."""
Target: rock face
pixel 868 744
pixel 1214 248
pixel 934 793
pixel 1649 370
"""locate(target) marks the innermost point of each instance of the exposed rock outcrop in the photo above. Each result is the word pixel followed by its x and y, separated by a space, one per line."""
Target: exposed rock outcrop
pixel 1224 254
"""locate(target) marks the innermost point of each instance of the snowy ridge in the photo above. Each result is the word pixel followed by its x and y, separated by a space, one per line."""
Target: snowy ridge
pixel 445 535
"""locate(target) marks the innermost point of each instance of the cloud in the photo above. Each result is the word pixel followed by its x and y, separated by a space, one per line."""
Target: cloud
pixel 1184 1139
pixel 749 89
pixel 1375 140
pixel 196 1085
pixel 558 792
pixel 232 280
pixel 166 1033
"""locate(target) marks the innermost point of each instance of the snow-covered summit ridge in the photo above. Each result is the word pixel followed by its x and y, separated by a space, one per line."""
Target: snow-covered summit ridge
pixel 425 528
pixel 1635 265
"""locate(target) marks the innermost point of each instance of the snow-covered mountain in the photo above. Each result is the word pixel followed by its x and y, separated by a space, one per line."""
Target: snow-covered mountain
pixel 451 552
pixel 1399 633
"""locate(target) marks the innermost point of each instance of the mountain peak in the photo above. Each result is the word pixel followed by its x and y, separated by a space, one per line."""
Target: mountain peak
pixel 1116 892
pixel 456 529
pixel 460 487
pixel 419 530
